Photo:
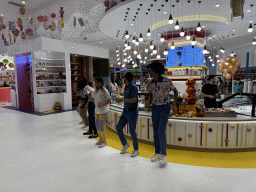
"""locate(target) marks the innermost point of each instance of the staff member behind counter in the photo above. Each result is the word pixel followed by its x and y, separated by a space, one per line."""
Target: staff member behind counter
pixel 209 92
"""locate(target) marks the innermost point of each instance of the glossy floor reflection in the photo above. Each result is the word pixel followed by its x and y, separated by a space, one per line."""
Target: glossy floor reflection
pixel 49 153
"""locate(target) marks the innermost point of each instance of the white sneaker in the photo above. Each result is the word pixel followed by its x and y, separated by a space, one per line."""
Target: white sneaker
pixel 85 127
pixel 155 157
pixel 135 153
pixel 125 148
pixel 98 143
pixel 103 144
pixel 163 160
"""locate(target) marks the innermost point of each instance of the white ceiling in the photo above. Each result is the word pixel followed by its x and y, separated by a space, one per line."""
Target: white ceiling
pixel 93 11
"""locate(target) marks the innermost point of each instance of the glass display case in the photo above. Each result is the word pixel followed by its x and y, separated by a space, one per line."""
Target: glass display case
pixel 243 104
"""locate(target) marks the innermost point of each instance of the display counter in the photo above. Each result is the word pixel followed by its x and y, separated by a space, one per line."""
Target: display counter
pixel 5 94
pixel 225 134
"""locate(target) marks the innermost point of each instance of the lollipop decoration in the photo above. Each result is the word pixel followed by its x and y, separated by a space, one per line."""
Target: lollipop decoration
pixel 22 11
pixel 29 32
pixel 61 15
pixel 53 15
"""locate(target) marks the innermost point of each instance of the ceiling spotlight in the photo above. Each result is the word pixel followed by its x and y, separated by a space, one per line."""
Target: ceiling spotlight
pixel 170 19
pixel 217 55
pixel 158 55
pixel 135 51
pixel 151 46
pixel 254 41
pixel 133 39
pixel 140 38
pixel 193 42
pixel 146 49
pixel 217 5
pixel 204 50
pixel 154 50
pixel 149 33
pixel 188 35
pixel 172 45
pixel 248 11
pixel 165 50
pixel 23 2
pixel 137 42
pixel 250 29
pixel 126 34
pixel 198 27
pixel 162 37
pixel 182 33
pixel 177 25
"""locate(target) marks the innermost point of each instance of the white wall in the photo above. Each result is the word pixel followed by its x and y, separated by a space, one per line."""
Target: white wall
pixel 242 54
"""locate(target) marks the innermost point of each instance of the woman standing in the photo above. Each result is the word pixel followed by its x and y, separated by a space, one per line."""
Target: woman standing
pixel 113 85
pixel 101 99
pixel 238 87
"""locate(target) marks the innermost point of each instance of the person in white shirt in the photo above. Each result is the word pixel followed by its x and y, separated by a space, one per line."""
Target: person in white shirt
pixel 113 85
pixel 102 100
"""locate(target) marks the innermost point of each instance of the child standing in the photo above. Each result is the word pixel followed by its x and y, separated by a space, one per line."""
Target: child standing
pixel 101 99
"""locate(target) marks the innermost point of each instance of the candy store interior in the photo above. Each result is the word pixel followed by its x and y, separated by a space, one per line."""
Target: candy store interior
pixel 47 47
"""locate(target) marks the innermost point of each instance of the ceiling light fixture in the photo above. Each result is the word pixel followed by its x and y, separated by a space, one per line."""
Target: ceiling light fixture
pixel 149 33
pixel 177 25
pixel 188 36
pixel 158 55
pixel 151 46
pixel 254 41
pixel 250 29
pixel 129 46
pixel 213 64
pixel 172 45
pixel 137 42
pixel 217 5
pixel 204 50
pixel 217 55
pixel 23 2
pixel 165 50
pixel 146 49
pixel 170 19
pixel 133 39
pixel 126 34
pixel 232 54
pixel 140 38
pixel 248 11
pixel 154 50
pixel 162 37
pixel 198 28
pixel 135 51
pixel 193 42
pixel 182 33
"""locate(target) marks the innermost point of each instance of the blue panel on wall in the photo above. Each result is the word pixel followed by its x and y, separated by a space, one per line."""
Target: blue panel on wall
pixel 184 56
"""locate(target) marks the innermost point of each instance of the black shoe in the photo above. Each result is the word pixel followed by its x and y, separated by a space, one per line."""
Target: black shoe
pixel 87 133
pixel 93 136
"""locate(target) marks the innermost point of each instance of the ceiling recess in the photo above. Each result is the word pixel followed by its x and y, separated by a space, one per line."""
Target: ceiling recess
pixel 16 4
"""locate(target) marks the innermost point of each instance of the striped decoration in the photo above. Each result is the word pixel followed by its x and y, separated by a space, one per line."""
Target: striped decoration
pixel 170 133
pixel 246 134
pixel 148 128
pixel 255 135
pixel 206 132
pixel 174 132
pixel 201 135
pixel 242 131
pixel 217 134
pixel 237 131
pixel 140 129
pixel 222 135
pixel 227 135
pixel 185 138
pixel 196 136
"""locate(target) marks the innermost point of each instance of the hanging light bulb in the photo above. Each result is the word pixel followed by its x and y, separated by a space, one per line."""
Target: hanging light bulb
pixel 138 55
pixel 149 33
pixel 182 33
pixel 133 62
pixel 117 54
pixel 140 38
pixel 137 42
pixel 204 61
pixel 204 50
pixel 123 65
pixel 170 19
pixel 118 59
pixel 158 55
pixel 151 45
pixel 193 42
pixel 209 56
pixel 126 34
pixel 217 55
pixel 226 63
pixel 162 37
pixel 119 63
pixel 129 46
pixel 152 54
pixel 141 61
pixel 250 29
pixel 177 25
pixel 165 50
pixel 124 49
pixel 208 52
pixel 146 48
pixel 126 43
pixel 198 27
pixel 254 41
pixel 125 53
pixel 144 61
pixel 154 50
pixel 133 40
pixel 232 54
pixel 211 60
pixel 218 60
pixel 117 50
pixel 213 64
pixel 188 36
pixel 222 50
pixel 125 59
pixel 135 51
pixel 172 45
pixel 133 66
pixel 146 57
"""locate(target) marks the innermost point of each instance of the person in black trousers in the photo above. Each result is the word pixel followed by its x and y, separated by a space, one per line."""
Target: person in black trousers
pixel 91 111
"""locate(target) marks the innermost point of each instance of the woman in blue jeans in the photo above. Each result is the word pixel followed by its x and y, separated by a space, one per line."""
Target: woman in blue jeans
pixel 159 89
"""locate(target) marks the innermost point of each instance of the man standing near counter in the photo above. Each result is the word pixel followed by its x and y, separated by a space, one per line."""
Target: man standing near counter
pixel 159 89
pixel 209 92
pixel 129 115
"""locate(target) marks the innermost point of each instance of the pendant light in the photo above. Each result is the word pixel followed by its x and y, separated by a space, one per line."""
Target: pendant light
pixel 146 49
pixel 193 42
pixel 218 60
pixel 211 60
pixel 135 51
pixel 119 63
pixel 126 43
pixel 198 28
pixel 146 57
pixel 232 53
pixel 204 50
pixel 144 61
pixel 117 50
pixel 165 50
pixel 213 64
pixel 140 38
pixel 162 37
pixel 137 42
pixel 172 45
pixel 250 29
pixel 154 50
pixel 149 33
pixel 129 46
pixel 126 34
pixel 123 65
pixel 209 56
pixel 170 19
pixel 177 25
pixel 134 39
pixel 188 36
pixel 158 55
pixel 254 41
pixel 141 61
pixel 124 49
pixel 125 59
pixel 133 62
pixel 151 45
pixel 125 53
pixel 138 55
pixel 118 59
pixel 217 55
pixel 182 33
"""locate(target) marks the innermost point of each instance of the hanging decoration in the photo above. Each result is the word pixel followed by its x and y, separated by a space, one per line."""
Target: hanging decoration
pixel 13 26
pixel 16 33
pixel 229 66
pixel 19 22
pixel 44 18
pixel 53 15
pixel 74 21
pixel 23 35
pixel 40 18
pixel 29 32
pixel 22 10
pixel 35 25
pixel 30 20
pixel 3 26
pixel 45 26
pixel 61 15
pixel 52 26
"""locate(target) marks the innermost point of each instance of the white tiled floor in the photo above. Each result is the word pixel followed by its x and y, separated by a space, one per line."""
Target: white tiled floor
pixel 49 153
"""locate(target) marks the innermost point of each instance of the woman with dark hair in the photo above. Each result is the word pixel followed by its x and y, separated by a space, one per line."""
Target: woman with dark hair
pixel 159 88
pixel 113 85
pixel 238 87
pixel 221 85
pixel 101 99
